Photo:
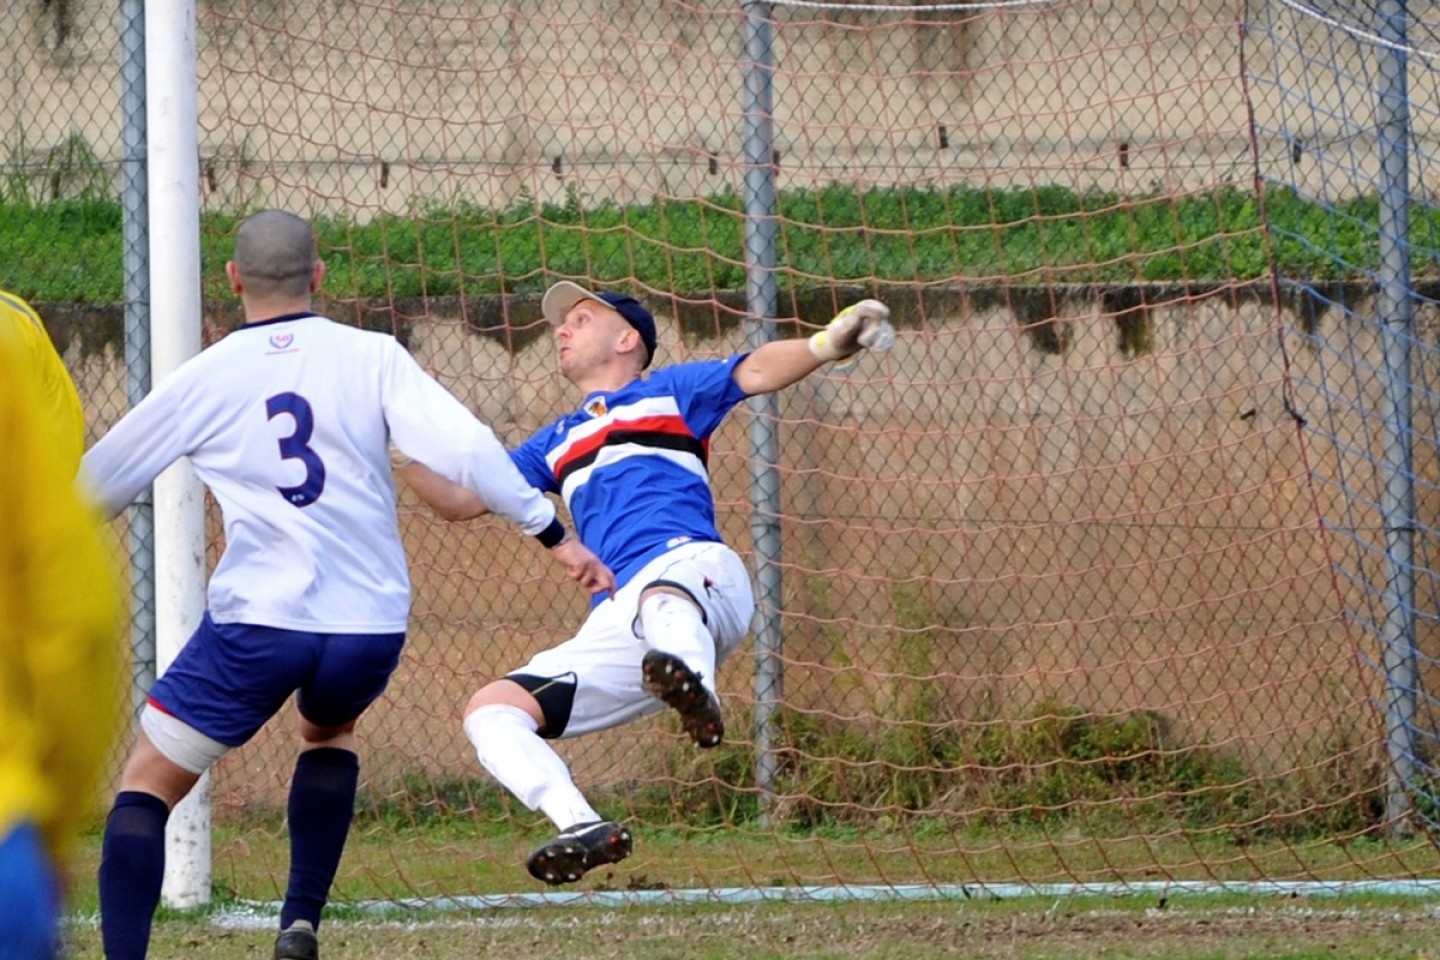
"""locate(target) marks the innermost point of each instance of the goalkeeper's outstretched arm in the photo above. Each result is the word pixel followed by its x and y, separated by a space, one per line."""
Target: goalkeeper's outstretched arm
pixel 780 363
pixel 456 503
pixel 449 500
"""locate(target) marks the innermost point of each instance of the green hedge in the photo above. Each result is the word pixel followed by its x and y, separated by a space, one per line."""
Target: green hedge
pixel 71 250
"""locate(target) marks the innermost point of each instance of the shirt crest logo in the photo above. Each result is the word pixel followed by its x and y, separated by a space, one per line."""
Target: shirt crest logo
pixel 596 407
pixel 281 341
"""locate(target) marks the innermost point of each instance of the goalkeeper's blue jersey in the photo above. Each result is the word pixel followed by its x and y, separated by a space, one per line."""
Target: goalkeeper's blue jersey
pixel 632 464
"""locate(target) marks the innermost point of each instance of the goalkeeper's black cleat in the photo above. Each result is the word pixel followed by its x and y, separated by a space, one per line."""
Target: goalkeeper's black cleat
pixel 297 942
pixel 578 850
pixel 667 678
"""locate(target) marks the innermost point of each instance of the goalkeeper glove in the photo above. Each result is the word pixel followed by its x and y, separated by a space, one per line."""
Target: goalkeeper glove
pixel 859 326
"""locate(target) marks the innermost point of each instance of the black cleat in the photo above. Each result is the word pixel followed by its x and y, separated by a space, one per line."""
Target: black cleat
pixel 582 848
pixel 297 942
pixel 668 678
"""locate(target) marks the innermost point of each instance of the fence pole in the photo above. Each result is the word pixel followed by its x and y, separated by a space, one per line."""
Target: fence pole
pixel 135 225
pixel 1396 317
pixel 174 194
pixel 761 299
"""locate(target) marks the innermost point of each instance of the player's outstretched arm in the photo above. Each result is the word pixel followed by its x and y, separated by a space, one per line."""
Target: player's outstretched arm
pixel 780 363
pixel 429 425
pixel 455 503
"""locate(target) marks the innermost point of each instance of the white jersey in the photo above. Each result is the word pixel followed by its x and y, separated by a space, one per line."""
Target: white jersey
pixel 289 423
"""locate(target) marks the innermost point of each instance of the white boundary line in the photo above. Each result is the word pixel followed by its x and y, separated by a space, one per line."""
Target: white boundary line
pixel 1419 888
pixel 899 8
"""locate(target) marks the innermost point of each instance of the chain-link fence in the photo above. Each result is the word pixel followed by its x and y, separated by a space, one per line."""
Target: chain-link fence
pixel 1095 545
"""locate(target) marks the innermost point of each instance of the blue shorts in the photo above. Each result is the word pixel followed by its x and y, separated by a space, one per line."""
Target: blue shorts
pixel 230 678
pixel 29 898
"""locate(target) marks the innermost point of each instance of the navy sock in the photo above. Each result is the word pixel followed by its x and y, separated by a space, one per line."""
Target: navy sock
pixel 132 869
pixel 322 803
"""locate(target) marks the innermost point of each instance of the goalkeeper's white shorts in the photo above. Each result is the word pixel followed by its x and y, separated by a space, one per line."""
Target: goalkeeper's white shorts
pixel 603 658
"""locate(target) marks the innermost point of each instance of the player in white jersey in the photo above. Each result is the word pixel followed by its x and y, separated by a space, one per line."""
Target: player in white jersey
pixel 289 421
pixel 631 465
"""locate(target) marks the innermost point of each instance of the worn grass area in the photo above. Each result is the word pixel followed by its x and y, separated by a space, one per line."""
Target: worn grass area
pixel 459 858
pixel 453 858
pixel 1197 928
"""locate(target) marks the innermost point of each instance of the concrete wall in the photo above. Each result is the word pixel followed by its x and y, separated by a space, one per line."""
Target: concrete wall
pixel 968 514
pixel 338 106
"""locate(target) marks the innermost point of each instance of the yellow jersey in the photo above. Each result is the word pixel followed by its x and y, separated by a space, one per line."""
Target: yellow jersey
pixel 60 689
pixel 61 401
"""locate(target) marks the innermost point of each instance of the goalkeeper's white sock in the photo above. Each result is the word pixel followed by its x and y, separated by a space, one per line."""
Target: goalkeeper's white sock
pixel 508 746
pixel 673 624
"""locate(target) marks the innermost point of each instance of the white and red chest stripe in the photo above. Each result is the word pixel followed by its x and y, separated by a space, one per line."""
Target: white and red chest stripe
pixel 648 427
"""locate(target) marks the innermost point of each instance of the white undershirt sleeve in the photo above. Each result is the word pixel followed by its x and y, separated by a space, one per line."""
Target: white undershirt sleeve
pixel 153 435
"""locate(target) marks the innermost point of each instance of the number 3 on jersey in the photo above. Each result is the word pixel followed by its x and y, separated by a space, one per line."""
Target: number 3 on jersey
pixel 296 447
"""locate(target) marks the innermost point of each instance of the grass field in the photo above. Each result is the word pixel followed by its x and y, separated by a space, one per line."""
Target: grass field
pixel 382 869
pixel 1190 928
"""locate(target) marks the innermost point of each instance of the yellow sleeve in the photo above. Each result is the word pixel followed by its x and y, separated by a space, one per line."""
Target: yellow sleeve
pixel 59 396
pixel 59 698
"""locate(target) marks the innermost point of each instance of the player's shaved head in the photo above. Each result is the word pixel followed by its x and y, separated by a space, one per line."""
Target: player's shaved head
pixel 275 254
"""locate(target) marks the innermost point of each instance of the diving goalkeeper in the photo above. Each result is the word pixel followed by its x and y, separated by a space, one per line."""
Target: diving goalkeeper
pixel 631 465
